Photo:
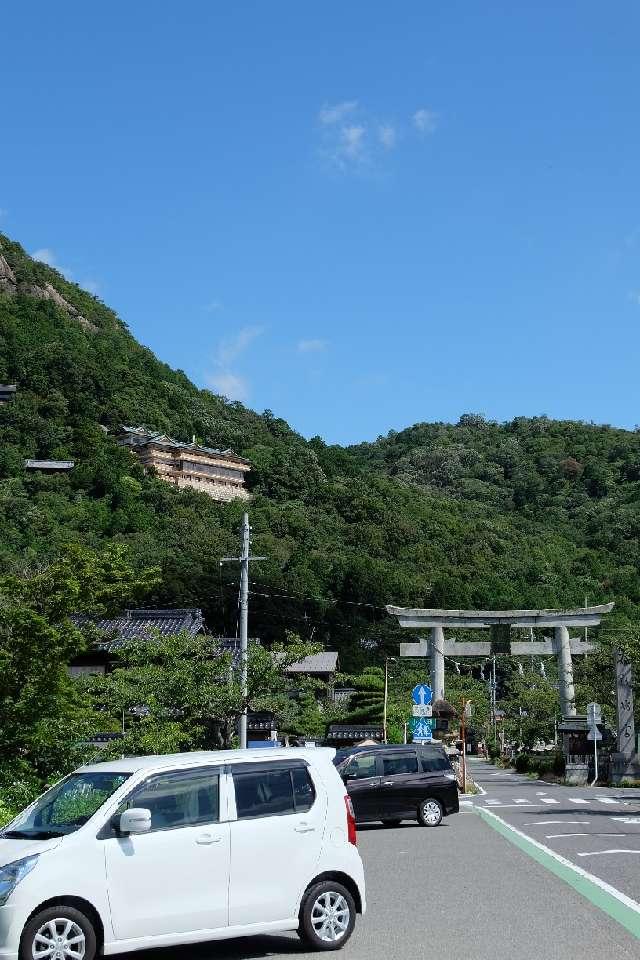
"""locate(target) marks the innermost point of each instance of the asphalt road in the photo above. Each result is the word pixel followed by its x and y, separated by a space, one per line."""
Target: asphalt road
pixel 595 828
pixel 463 890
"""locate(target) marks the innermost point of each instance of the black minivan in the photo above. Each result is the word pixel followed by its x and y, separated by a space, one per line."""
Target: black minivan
pixel 391 783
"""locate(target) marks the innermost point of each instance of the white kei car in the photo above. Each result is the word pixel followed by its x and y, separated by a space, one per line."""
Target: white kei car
pixel 163 850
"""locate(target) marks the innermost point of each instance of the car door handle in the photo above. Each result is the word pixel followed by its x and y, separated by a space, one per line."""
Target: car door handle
pixel 206 838
pixel 304 828
pixel 387 783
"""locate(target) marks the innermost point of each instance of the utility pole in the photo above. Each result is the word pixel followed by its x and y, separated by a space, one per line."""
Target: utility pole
pixel 463 737
pixel 244 560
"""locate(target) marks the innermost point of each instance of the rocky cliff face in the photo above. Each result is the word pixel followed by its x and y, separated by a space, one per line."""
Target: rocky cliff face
pixel 10 286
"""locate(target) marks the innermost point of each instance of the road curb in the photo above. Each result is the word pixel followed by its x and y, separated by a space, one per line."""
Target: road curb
pixel 613 902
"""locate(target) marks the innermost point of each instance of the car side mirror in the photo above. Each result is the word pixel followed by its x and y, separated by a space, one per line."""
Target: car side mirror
pixel 135 820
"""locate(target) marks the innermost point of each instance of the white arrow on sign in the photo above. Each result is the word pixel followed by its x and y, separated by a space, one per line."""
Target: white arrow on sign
pixel 422 710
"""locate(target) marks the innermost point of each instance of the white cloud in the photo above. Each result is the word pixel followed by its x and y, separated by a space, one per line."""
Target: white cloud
pixel 425 121
pixel 387 135
pixel 223 379
pixel 352 141
pixel 213 306
pixel 47 255
pixel 230 348
pixel 229 384
pixel 91 286
pixel 312 346
pixel 337 113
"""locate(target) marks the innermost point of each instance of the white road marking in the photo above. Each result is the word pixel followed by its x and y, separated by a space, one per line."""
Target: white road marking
pixel 545 823
pixel 626 819
pixel 541 793
pixel 493 800
pixel 556 836
pixel 601 853
pixel 548 800
pixel 577 800
pixel 522 801
pixel 607 800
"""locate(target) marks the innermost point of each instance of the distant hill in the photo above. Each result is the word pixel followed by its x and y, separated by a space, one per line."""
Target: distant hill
pixel 530 513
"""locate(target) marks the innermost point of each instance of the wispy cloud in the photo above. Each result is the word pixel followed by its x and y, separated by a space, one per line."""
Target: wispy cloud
pixel 223 379
pixel 425 121
pixel 312 346
pixel 47 255
pixel 353 139
pixel 229 385
pixel 90 285
pixel 387 135
pixel 634 296
pixel 213 306
pixel 3 213
pixel 336 112
pixel 230 348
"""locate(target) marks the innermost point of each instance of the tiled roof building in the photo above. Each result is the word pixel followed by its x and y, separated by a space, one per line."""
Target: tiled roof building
pixel 218 473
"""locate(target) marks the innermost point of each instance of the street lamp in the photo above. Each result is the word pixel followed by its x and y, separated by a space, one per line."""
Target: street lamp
pixel 387 661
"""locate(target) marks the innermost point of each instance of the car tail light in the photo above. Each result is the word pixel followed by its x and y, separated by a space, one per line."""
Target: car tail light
pixel 351 821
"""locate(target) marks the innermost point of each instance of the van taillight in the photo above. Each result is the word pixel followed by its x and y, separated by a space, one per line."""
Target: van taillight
pixel 351 821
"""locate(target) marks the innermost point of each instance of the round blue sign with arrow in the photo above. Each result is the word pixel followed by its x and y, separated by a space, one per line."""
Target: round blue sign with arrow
pixel 422 694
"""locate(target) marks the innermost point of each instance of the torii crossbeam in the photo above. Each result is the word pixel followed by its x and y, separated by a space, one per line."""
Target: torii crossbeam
pixel 561 645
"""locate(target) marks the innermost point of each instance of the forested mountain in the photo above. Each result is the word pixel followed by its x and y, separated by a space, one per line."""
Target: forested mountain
pixel 530 513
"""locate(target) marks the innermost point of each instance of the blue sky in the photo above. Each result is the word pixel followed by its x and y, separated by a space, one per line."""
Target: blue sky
pixel 359 215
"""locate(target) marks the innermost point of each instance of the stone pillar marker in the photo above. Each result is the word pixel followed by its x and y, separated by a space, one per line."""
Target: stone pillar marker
pixel 625 761
pixel 565 672
pixel 437 663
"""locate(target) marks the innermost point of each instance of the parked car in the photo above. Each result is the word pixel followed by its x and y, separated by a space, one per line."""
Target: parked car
pixel 393 783
pixel 157 851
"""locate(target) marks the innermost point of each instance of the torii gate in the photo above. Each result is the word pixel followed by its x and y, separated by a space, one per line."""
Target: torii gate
pixel 500 622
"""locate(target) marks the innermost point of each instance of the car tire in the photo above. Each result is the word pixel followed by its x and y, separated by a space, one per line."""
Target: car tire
pixel 74 930
pixel 430 813
pixel 327 916
pixel 391 823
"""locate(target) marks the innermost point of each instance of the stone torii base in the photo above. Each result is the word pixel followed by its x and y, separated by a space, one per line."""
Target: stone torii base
pixel 561 645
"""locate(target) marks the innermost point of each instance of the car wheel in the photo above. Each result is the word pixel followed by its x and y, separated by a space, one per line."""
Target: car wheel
pixel 391 823
pixel 58 933
pixel 327 916
pixel 430 813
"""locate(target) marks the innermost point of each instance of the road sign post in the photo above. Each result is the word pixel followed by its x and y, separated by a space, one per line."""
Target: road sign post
pixel 594 716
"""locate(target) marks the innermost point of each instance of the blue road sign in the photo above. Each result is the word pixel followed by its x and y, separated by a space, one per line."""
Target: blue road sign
pixel 422 728
pixel 422 694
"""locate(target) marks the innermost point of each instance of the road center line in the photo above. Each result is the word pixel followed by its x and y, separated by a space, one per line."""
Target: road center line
pixel 548 823
pixel 556 836
pixel 601 853
pixel 613 902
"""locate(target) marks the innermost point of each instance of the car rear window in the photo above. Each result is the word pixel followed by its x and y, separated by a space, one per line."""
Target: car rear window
pixel 266 790
pixel 399 763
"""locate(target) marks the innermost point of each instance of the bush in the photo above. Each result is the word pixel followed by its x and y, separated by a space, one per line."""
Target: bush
pixel 522 763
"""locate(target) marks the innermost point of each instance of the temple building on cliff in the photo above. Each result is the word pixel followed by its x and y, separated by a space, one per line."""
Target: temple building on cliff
pixel 218 473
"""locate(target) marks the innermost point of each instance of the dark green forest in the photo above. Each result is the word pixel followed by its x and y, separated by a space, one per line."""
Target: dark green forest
pixel 534 512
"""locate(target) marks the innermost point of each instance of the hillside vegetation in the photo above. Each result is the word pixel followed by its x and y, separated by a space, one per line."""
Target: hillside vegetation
pixel 530 513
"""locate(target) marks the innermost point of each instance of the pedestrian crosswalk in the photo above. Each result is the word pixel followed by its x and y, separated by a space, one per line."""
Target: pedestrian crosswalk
pixel 485 801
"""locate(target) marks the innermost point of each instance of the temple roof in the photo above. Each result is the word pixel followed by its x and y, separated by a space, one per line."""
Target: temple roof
pixel 141 624
pixel 140 437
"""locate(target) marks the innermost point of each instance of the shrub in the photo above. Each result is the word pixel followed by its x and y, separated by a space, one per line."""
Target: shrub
pixel 522 764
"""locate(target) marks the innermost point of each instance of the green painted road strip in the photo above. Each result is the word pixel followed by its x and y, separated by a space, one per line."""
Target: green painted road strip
pixel 614 903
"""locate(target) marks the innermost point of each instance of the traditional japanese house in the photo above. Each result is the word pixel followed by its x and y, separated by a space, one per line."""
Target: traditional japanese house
pixel 218 473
